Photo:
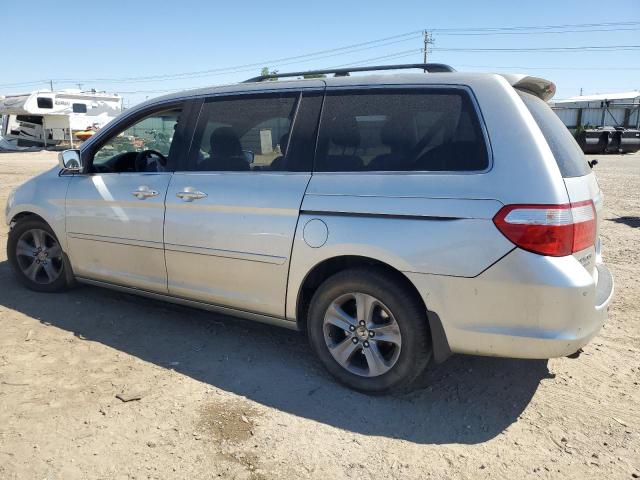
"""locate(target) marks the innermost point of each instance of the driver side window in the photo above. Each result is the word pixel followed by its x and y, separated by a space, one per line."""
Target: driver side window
pixel 142 147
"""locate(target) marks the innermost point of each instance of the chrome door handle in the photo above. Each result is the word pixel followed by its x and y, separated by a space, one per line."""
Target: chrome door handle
pixel 144 192
pixel 190 194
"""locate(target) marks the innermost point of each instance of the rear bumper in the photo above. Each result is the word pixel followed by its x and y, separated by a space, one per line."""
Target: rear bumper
pixel 524 306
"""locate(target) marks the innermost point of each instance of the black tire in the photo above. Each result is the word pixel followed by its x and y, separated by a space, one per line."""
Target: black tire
pixel 63 281
pixel 410 316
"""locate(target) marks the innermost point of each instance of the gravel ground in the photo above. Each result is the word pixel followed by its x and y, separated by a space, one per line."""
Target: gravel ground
pixel 221 397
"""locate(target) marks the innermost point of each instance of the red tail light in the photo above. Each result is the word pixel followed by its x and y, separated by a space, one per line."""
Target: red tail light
pixel 554 230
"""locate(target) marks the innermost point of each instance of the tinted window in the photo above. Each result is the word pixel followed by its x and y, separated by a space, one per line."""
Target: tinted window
pixel 565 149
pixel 44 102
pixel 79 108
pixel 244 133
pixel 434 130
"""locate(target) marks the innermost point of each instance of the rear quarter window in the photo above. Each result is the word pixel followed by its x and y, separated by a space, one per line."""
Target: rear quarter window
pixel 569 157
pixel 427 130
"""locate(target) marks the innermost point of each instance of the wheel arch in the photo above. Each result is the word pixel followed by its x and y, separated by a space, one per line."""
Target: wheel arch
pixel 35 214
pixel 330 266
pixel 26 214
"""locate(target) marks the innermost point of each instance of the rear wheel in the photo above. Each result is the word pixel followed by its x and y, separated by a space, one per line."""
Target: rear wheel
pixel 36 257
pixel 369 331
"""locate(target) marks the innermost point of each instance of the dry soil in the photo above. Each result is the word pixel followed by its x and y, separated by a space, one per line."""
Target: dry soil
pixel 221 397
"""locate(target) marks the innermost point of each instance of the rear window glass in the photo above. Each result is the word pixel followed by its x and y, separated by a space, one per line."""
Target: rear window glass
pixel 569 157
pixel 434 130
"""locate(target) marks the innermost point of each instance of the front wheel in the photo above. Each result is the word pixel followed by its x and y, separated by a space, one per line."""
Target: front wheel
pixel 369 330
pixel 36 257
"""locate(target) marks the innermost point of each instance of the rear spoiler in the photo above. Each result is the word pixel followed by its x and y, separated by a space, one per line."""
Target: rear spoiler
pixel 539 87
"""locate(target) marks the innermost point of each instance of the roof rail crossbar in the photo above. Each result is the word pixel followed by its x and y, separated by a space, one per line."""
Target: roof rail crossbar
pixel 344 72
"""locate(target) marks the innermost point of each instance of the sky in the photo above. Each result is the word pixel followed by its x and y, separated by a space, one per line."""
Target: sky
pixel 144 48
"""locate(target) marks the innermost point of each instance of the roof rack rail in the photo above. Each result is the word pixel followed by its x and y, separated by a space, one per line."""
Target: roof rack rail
pixel 345 72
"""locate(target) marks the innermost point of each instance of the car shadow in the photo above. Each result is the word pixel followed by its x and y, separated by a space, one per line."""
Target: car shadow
pixel 633 222
pixel 464 400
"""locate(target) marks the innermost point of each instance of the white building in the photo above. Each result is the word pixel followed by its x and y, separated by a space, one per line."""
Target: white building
pixel 606 109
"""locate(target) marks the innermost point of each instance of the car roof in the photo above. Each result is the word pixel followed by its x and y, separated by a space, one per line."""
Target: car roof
pixel 297 84
pixel 370 80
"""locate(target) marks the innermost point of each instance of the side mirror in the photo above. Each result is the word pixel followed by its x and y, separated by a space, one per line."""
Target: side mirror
pixel 249 156
pixel 592 163
pixel 70 161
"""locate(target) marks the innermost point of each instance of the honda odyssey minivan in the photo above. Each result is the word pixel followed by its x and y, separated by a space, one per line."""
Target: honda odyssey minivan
pixel 396 219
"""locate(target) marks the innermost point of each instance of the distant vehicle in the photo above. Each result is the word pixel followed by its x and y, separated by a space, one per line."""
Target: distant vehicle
pixel 396 219
pixel 45 118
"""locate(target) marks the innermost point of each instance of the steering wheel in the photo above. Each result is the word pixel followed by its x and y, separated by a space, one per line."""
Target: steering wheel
pixel 142 164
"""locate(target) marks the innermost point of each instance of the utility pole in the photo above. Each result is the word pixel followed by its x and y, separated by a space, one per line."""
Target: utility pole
pixel 51 84
pixel 428 40
pixel 79 86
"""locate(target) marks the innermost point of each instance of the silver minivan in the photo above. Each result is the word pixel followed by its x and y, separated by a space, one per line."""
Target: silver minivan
pixel 396 219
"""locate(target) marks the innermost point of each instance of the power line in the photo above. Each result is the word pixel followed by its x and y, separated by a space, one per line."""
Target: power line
pixel 548 68
pixel 535 27
pixel 544 32
pixel 325 53
pixel 379 43
pixel 251 67
pixel 402 54
pixel 246 67
pixel 163 90
pixel 603 48
pixel 24 84
pixel 398 55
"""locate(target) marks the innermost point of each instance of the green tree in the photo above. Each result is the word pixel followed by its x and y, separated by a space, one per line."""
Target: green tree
pixel 265 72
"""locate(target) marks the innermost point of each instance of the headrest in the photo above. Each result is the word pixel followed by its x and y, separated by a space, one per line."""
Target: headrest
pixel 224 142
pixel 343 131
pixel 395 134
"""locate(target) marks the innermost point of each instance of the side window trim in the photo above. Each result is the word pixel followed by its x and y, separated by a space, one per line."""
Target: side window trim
pixel 192 110
pixel 408 88
pixel 306 126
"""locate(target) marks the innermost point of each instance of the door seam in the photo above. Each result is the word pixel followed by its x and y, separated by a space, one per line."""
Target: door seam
pixel 164 228
pixel 304 193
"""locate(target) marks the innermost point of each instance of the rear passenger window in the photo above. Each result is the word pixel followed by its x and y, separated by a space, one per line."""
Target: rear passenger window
pixel 244 133
pixel 426 130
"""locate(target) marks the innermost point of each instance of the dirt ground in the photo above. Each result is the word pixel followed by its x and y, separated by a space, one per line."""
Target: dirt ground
pixel 221 397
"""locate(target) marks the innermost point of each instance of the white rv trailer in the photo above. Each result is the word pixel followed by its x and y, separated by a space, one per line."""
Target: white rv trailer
pixel 45 118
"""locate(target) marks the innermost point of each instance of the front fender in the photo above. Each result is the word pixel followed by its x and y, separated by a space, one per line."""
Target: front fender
pixel 43 195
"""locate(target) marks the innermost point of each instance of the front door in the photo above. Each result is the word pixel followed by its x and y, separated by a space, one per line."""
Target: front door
pixel 231 214
pixel 115 211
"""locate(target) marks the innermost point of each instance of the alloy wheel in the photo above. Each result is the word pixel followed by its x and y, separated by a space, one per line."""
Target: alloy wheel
pixel 362 334
pixel 39 256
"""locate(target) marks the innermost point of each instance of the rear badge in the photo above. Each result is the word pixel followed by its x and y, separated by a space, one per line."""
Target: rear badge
pixel 586 260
